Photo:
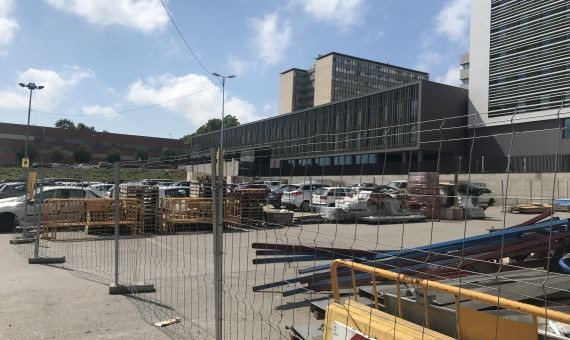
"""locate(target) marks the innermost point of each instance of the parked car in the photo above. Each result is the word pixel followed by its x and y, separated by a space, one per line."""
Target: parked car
pixel 327 196
pixel 252 186
pixel 100 188
pixel 400 185
pixel 12 189
pixel 12 209
pixel 104 165
pixel 364 186
pixel 170 191
pixel 156 182
pixel 180 184
pixel 272 185
pixel 274 197
pixel 300 197
pixel 486 197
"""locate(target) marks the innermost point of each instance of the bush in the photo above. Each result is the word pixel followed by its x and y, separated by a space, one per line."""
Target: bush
pixel 82 154
pixel 114 155
pixel 57 154
pixel 32 153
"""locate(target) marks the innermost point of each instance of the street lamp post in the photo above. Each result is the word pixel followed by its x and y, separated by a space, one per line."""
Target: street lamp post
pixel 219 218
pixel 31 87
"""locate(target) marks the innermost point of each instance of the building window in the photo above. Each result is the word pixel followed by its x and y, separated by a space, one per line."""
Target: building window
pixel 566 132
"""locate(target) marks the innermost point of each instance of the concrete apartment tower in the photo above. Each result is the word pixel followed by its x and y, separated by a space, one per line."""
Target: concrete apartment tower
pixel 335 76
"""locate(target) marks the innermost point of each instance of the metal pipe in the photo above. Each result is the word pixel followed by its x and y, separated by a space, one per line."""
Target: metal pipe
pixel 39 215
pixel 456 291
pixel 117 218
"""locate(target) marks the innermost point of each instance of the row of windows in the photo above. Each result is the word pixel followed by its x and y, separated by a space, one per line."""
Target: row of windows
pixel 543 71
pixel 374 68
pixel 527 19
pixel 337 160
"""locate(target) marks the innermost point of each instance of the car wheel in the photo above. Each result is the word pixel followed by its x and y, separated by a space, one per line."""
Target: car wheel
pixel 491 202
pixel 7 223
pixel 306 206
pixel 331 205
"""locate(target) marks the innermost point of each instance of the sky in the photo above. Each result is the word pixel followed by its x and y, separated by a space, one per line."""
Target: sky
pixel 120 65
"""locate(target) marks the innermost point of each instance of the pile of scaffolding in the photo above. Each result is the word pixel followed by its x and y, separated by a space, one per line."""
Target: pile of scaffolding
pixel 531 244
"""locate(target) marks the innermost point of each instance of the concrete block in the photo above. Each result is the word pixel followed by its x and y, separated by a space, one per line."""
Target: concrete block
pixel 452 213
pixel 132 289
pixel 279 218
pixel 22 241
pixel 46 260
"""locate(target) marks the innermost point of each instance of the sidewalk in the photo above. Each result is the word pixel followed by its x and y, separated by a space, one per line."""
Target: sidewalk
pixel 43 302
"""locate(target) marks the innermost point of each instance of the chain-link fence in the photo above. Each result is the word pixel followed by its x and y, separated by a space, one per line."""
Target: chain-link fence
pixel 240 245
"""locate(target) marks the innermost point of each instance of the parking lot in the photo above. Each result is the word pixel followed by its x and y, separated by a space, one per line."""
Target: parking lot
pixel 181 268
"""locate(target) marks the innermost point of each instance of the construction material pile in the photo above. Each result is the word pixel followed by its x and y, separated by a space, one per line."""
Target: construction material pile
pixel 147 199
pixel 244 207
pixel 526 245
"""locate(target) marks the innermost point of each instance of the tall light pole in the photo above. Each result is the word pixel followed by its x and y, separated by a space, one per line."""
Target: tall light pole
pixel 31 87
pixel 223 103
pixel 218 227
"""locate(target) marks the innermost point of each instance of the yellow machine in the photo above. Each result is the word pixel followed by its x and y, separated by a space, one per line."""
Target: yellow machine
pixel 354 320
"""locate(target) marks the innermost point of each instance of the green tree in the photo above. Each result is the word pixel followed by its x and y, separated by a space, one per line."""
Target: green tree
pixel 142 154
pixel 113 155
pixel 82 154
pixel 65 124
pixel 83 127
pixel 215 124
pixel 57 154
pixel 32 153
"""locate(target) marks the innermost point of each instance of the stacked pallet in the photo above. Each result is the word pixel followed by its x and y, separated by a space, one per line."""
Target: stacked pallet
pixel 245 207
pixel 147 198
pixel 424 187
pixel 184 211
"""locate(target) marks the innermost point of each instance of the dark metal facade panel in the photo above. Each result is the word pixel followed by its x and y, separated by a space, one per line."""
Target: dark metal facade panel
pixel 374 122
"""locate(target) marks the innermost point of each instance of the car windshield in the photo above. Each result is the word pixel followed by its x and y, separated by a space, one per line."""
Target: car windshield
pixel 320 191
pixel 290 188
pixel 394 185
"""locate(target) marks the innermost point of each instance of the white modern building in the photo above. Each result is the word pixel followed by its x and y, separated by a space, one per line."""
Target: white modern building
pixel 519 61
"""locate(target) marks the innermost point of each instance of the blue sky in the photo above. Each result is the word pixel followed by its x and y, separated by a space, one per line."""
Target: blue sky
pixel 120 66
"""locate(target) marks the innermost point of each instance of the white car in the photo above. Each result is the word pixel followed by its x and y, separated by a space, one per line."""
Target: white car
pixel 173 191
pixel 400 185
pixel 13 211
pixel 327 196
pixel 356 203
pixel 300 196
pixel 100 188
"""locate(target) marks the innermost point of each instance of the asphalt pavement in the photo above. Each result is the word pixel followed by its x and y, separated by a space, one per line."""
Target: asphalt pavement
pixel 47 302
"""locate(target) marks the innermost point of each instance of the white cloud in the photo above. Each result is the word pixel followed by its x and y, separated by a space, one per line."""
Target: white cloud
pixel 97 110
pixel 343 13
pixel 204 102
pixel 239 66
pixel 272 38
pixel 56 87
pixel 453 20
pixel 8 25
pixel 451 77
pixel 142 15
pixel 427 59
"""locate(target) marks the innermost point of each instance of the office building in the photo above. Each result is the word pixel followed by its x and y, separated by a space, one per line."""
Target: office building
pixel 519 61
pixel 335 77
pixel 44 139
pixel 390 131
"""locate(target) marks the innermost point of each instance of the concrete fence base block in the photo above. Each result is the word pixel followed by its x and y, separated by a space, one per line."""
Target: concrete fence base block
pixel 46 260
pixel 131 289
pixel 22 241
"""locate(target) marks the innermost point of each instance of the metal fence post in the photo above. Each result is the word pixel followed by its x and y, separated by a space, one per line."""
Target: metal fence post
pixel 39 215
pixel 117 218
pixel 217 231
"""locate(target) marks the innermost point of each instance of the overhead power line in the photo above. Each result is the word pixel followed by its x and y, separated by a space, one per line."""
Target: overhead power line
pixel 128 110
pixel 184 39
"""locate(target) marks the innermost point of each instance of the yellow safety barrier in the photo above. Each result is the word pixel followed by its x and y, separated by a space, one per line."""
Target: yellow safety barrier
pixel 475 325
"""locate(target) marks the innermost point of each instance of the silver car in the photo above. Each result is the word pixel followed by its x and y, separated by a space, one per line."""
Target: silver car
pixel 15 210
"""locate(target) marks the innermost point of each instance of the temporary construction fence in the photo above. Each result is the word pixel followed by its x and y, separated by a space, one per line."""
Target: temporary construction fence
pixel 210 259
